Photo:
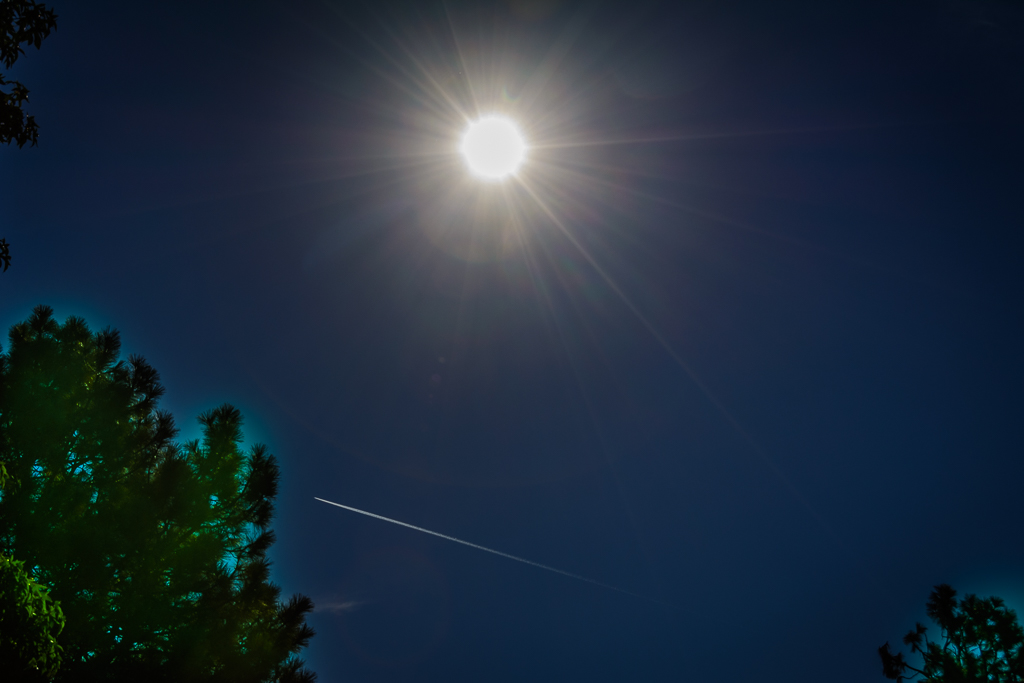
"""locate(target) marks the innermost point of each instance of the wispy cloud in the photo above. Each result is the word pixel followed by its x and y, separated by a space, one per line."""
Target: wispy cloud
pixel 340 607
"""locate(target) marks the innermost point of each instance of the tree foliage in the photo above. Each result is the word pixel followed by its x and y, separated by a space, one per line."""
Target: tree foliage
pixel 22 22
pixel 30 621
pixel 979 641
pixel 157 551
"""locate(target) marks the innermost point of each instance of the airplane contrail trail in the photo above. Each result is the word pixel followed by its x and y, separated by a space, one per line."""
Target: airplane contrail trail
pixel 489 550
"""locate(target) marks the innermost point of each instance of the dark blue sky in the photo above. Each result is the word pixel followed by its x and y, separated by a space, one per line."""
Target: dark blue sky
pixel 745 336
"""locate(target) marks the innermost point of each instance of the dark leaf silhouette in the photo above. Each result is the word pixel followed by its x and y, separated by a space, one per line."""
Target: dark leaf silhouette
pixel 22 22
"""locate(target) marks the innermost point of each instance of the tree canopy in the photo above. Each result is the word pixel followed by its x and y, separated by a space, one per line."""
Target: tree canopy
pixel 979 641
pixel 155 550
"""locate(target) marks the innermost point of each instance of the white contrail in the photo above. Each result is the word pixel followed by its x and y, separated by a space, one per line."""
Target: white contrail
pixel 489 550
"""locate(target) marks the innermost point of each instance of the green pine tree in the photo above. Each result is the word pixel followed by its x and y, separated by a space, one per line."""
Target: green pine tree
pixel 155 550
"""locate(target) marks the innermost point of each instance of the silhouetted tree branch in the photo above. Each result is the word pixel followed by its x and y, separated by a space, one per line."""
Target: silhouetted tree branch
pixel 22 22
pixel 981 642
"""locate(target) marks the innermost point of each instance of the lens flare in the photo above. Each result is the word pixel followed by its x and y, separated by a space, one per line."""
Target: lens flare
pixel 493 148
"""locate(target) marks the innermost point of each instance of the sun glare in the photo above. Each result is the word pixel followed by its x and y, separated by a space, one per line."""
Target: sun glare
pixel 493 147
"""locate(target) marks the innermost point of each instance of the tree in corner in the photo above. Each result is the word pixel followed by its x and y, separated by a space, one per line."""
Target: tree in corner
pixel 979 641
pixel 156 551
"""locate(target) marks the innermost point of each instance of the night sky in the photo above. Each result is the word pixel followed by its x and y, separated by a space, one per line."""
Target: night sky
pixel 743 336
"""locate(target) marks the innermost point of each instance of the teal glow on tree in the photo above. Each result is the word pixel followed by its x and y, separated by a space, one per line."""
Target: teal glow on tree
pixel 979 641
pixel 155 550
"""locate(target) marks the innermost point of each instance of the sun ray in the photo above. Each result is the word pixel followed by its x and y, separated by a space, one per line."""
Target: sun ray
pixel 462 59
pixel 715 135
pixel 431 81
pixel 578 172
pixel 586 397
pixel 705 390
pixel 435 97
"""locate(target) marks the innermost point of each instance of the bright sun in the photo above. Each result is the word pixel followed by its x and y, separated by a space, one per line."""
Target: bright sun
pixel 493 147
